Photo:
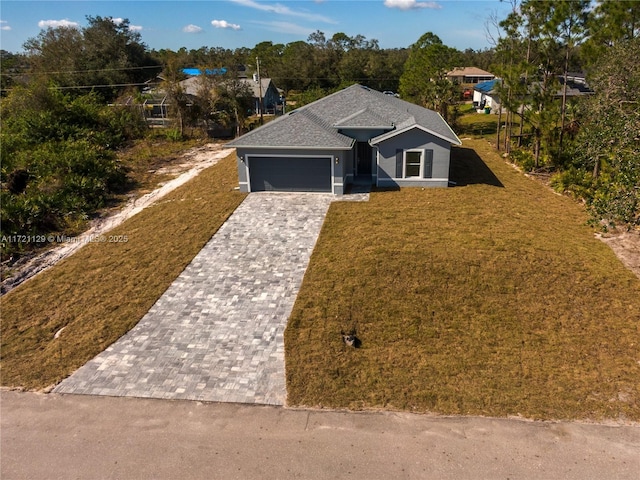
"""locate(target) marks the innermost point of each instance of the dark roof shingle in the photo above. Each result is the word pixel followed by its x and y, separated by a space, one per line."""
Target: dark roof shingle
pixel 317 124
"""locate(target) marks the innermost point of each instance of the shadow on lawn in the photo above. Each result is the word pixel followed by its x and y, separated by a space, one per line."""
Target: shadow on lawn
pixel 467 168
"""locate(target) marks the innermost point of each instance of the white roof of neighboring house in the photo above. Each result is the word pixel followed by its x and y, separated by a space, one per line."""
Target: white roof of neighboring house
pixel 191 85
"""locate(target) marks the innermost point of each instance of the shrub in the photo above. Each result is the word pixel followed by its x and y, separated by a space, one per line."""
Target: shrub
pixel 577 182
pixel 524 159
pixel 58 159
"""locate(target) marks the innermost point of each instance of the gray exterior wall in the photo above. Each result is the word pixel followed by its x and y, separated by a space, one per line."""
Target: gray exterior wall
pixel 271 97
pixel 340 162
pixel 360 135
pixel 414 139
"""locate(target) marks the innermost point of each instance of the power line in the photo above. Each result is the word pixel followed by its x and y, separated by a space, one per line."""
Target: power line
pixel 80 71
pixel 89 87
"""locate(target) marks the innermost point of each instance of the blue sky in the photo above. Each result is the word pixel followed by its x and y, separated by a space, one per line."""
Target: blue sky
pixel 244 23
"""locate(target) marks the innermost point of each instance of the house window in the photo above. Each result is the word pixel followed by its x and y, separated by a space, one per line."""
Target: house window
pixel 412 164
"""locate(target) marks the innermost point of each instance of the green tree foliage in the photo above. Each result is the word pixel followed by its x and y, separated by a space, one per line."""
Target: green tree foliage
pixel 58 159
pixel 105 56
pixel 611 22
pixel 606 169
pixel 424 79
pixel 592 143
pixel 326 64
pixel 12 69
pixel 535 57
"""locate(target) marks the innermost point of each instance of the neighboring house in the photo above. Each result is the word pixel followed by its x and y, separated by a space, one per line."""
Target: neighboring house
pixel 469 75
pixel 270 94
pixel 356 134
pixel 191 86
pixel 485 95
pixel 576 85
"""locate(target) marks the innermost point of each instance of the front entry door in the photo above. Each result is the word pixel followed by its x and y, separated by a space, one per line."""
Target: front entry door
pixel 363 158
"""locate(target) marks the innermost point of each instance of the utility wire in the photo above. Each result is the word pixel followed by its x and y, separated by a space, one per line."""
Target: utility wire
pixel 79 71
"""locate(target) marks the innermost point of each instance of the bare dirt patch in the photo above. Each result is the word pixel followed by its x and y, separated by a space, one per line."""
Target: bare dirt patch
pixel 180 170
pixel 626 246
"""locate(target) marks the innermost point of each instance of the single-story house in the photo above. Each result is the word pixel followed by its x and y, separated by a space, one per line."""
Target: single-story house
pixel 270 94
pixel 485 94
pixel 354 135
pixel 469 75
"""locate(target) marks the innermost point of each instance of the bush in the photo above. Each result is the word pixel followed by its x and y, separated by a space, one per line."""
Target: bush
pixel 58 160
pixel 524 159
pixel 577 182
pixel 173 134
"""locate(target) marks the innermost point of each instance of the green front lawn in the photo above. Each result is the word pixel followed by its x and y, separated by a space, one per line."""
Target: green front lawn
pixel 491 298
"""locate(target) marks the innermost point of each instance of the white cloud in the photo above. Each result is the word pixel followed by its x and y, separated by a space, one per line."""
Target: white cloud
pixel 191 28
pixel 224 24
pixel 287 27
pixel 410 4
pixel 283 10
pixel 132 28
pixel 4 25
pixel 57 23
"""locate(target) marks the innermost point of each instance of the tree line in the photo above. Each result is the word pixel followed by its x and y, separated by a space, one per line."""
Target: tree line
pixel 590 143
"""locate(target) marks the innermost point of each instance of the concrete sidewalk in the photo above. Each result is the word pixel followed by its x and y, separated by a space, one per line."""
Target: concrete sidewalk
pixel 89 437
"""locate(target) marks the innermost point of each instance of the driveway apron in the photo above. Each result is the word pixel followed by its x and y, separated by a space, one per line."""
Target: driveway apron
pixel 216 334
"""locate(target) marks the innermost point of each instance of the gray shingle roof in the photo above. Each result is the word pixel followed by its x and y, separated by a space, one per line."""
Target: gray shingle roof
pixel 362 119
pixel 316 124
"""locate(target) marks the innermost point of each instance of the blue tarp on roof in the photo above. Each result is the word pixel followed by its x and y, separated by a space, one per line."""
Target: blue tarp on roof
pixel 194 72
pixel 486 87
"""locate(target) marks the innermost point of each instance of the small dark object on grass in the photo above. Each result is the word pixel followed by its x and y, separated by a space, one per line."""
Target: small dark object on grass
pixel 350 339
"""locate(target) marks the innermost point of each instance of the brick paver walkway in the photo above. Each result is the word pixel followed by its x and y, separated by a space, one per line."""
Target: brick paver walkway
pixel 216 334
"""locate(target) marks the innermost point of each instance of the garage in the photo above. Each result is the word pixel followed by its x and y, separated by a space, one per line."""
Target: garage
pixel 290 174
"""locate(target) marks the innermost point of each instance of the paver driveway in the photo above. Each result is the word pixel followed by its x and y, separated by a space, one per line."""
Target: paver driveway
pixel 216 334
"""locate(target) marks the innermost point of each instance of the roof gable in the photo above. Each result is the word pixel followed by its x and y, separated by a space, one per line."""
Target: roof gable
pixel 393 133
pixel 258 88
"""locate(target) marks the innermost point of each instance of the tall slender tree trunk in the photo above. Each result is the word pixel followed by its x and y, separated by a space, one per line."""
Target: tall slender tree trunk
pixel 499 126
pixel 563 110
pixel 235 114
pixel 526 82
pixel 536 146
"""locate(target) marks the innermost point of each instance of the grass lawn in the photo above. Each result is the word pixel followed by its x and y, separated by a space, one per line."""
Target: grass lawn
pixel 104 289
pixel 491 298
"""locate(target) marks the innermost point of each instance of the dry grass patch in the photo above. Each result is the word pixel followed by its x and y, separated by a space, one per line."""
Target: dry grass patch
pixel 492 298
pixel 104 289
pixel 144 157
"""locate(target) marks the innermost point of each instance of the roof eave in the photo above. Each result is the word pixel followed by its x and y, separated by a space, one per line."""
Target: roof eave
pixel 293 147
pixel 385 136
pixel 364 127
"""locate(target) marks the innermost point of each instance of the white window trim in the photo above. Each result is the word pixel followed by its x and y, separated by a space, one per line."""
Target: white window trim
pixel 404 163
